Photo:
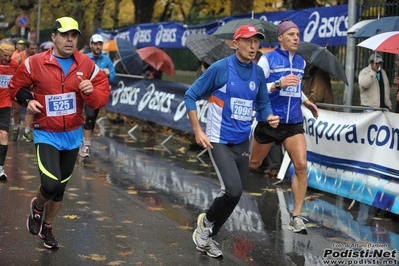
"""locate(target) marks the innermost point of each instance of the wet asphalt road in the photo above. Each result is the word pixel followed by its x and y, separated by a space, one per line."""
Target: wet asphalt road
pixel 136 203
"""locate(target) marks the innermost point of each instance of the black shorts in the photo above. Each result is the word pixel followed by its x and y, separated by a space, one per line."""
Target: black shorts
pixel 265 134
pixel 5 117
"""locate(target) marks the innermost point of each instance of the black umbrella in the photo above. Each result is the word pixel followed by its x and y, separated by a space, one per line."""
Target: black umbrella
pixel 322 58
pixel 208 48
pixel 267 28
pixel 130 59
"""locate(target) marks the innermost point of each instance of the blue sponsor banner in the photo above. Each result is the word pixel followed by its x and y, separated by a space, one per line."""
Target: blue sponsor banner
pixel 158 101
pixel 323 26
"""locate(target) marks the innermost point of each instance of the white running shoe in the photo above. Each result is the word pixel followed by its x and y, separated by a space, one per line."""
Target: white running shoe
pixel 201 233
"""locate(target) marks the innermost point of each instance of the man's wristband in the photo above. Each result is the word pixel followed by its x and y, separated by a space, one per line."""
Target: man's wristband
pixel 24 96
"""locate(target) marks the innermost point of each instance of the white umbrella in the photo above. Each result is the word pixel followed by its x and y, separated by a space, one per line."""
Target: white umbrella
pixel 358 26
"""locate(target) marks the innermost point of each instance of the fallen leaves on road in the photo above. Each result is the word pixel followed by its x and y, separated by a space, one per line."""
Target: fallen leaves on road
pixel 311 225
pixel 156 209
pixel 255 194
pixel 102 218
pixel 185 227
pixel 197 172
pixel 16 188
pixel 94 257
pixel 273 190
pixel 309 198
pixel 128 222
pixel 116 263
pixel 149 191
pixel 182 150
pixel 71 216
pixel 82 202
pixel 28 177
pixel 132 192
pixel 125 253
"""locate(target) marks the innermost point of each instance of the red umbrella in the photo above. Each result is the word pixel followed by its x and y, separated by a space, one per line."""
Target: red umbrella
pixel 387 42
pixel 158 59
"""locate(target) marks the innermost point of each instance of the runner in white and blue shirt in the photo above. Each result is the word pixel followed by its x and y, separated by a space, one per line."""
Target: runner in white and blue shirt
pixel 235 86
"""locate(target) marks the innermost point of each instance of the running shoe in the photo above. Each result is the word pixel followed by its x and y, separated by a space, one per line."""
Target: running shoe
pixel 3 176
pixel 201 233
pixel 34 221
pixel 47 236
pixel 15 134
pixel 84 150
pixel 211 249
pixel 28 136
pixel 297 225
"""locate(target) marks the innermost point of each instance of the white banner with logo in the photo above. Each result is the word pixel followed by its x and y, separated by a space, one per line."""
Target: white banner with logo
pixel 354 155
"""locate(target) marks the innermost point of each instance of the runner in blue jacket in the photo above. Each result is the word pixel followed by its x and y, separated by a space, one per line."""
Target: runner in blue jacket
pixel 106 65
pixel 235 86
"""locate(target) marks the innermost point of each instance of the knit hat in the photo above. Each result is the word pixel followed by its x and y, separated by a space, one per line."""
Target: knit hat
pixel 284 26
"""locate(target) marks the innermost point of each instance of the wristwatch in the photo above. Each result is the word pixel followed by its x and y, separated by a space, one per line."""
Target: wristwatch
pixel 277 84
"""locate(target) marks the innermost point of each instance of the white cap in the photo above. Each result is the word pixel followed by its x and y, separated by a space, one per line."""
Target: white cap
pixel 96 38
pixel 376 58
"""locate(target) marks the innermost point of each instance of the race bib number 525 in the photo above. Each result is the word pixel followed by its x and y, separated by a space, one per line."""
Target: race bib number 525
pixel 61 104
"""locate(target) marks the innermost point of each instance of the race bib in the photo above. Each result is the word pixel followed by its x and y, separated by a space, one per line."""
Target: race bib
pixel 291 91
pixel 61 104
pixel 241 109
pixel 4 81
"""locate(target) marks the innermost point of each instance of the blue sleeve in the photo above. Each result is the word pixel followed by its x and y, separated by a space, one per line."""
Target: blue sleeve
pixel 212 79
pixel 262 104
pixel 111 69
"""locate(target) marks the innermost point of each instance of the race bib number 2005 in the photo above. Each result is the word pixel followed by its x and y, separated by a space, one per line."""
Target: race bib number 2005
pixel 61 104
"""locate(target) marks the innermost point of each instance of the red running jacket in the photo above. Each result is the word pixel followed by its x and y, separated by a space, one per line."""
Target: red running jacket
pixel 43 73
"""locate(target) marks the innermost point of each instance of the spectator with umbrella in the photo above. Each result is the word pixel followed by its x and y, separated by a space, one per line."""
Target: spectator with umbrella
pixel 316 85
pixel 374 85
pixel 208 49
pixel 157 62
pixel 129 61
